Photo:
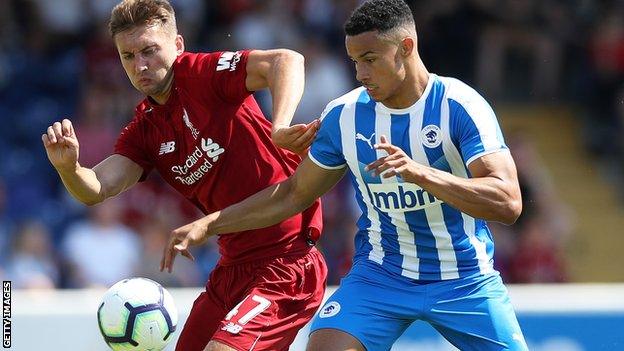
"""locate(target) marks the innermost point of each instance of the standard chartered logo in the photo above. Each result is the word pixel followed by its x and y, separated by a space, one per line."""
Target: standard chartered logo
pixel 400 197
pixel 198 162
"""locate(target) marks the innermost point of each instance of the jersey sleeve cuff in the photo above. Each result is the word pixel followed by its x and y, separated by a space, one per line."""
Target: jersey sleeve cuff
pixel 320 164
pixel 483 153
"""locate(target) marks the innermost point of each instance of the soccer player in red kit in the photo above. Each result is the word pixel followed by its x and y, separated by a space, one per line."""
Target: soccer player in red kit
pixel 202 130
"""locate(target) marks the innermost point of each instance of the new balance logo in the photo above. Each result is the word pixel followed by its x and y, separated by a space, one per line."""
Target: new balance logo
pixel 232 328
pixel 228 60
pixel 167 147
pixel 369 141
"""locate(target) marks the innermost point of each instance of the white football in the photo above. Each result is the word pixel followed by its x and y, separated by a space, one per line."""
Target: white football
pixel 137 314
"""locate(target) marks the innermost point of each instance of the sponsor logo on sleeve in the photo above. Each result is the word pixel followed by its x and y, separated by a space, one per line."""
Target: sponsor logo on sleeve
pixel 228 61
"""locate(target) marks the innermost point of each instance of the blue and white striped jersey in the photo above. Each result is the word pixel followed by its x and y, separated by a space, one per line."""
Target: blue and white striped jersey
pixel 402 227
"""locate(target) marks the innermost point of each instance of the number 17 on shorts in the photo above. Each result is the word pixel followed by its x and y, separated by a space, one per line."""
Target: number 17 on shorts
pixel 246 310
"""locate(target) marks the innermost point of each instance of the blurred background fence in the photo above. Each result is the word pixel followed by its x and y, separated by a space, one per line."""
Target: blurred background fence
pixel 552 69
pixel 554 317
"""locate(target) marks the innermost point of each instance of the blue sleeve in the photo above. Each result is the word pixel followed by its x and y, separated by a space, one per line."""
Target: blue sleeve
pixel 475 130
pixel 326 151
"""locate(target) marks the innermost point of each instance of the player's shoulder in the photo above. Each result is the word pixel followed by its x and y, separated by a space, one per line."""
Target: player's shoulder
pixel 349 99
pixel 459 91
pixel 463 95
pixel 192 64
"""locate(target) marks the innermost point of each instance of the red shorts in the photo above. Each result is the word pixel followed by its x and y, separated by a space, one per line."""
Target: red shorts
pixel 259 305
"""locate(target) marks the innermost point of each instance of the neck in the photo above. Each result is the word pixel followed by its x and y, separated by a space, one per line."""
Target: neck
pixel 162 96
pixel 412 88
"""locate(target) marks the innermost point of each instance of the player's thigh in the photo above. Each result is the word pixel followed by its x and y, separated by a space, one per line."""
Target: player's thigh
pixel 333 339
pixel 217 346
pixel 476 314
pixel 371 313
pixel 284 298
pixel 202 322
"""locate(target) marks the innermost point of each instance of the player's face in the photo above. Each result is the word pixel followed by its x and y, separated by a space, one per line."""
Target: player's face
pixel 147 54
pixel 379 65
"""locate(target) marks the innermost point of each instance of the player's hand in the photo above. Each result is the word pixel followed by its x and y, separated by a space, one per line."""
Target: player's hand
pixel 297 138
pixel 61 145
pixel 192 234
pixel 397 162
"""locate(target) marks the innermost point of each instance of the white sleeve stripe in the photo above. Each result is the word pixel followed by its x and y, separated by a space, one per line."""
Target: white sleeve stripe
pixel 320 164
pixel 483 153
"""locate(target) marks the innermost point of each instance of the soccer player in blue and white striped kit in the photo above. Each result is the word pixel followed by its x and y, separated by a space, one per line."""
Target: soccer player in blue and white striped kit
pixel 429 166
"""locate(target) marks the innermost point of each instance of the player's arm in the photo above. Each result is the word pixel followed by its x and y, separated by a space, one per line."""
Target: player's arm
pixel 267 207
pixel 282 71
pixel 493 192
pixel 89 186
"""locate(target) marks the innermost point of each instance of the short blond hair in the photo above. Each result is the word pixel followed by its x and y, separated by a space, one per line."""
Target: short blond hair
pixel 133 13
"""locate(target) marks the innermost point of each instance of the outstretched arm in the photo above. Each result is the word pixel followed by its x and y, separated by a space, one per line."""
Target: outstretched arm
pixel 89 186
pixel 492 193
pixel 282 71
pixel 269 206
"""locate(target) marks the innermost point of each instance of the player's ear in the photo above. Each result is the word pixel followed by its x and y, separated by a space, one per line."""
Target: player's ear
pixel 407 46
pixel 179 44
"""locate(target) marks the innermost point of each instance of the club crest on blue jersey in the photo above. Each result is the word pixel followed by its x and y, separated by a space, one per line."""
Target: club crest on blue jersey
pixel 431 136
pixel 331 309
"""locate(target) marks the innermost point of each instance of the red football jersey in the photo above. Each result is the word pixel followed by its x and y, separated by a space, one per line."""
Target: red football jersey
pixel 211 142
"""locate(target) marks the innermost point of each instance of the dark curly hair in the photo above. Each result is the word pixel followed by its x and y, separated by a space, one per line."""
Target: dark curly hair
pixel 379 15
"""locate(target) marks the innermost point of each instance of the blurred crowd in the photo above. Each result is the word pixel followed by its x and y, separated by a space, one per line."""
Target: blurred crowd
pixel 57 60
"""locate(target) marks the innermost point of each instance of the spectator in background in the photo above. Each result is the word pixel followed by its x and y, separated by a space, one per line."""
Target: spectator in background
pixel 606 52
pixel 339 211
pixel 100 250
pixel 620 146
pixel 32 263
pixel 532 250
pixel 265 25
pixel 154 235
pixel 326 77
pixel 517 33
pixel 6 226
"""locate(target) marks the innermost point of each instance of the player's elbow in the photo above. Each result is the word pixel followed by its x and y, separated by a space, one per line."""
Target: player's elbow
pixel 510 211
pixel 295 56
pixel 92 199
pixel 290 56
pixel 90 202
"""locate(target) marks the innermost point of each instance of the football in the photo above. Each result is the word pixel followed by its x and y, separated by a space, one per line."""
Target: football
pixel 137 314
